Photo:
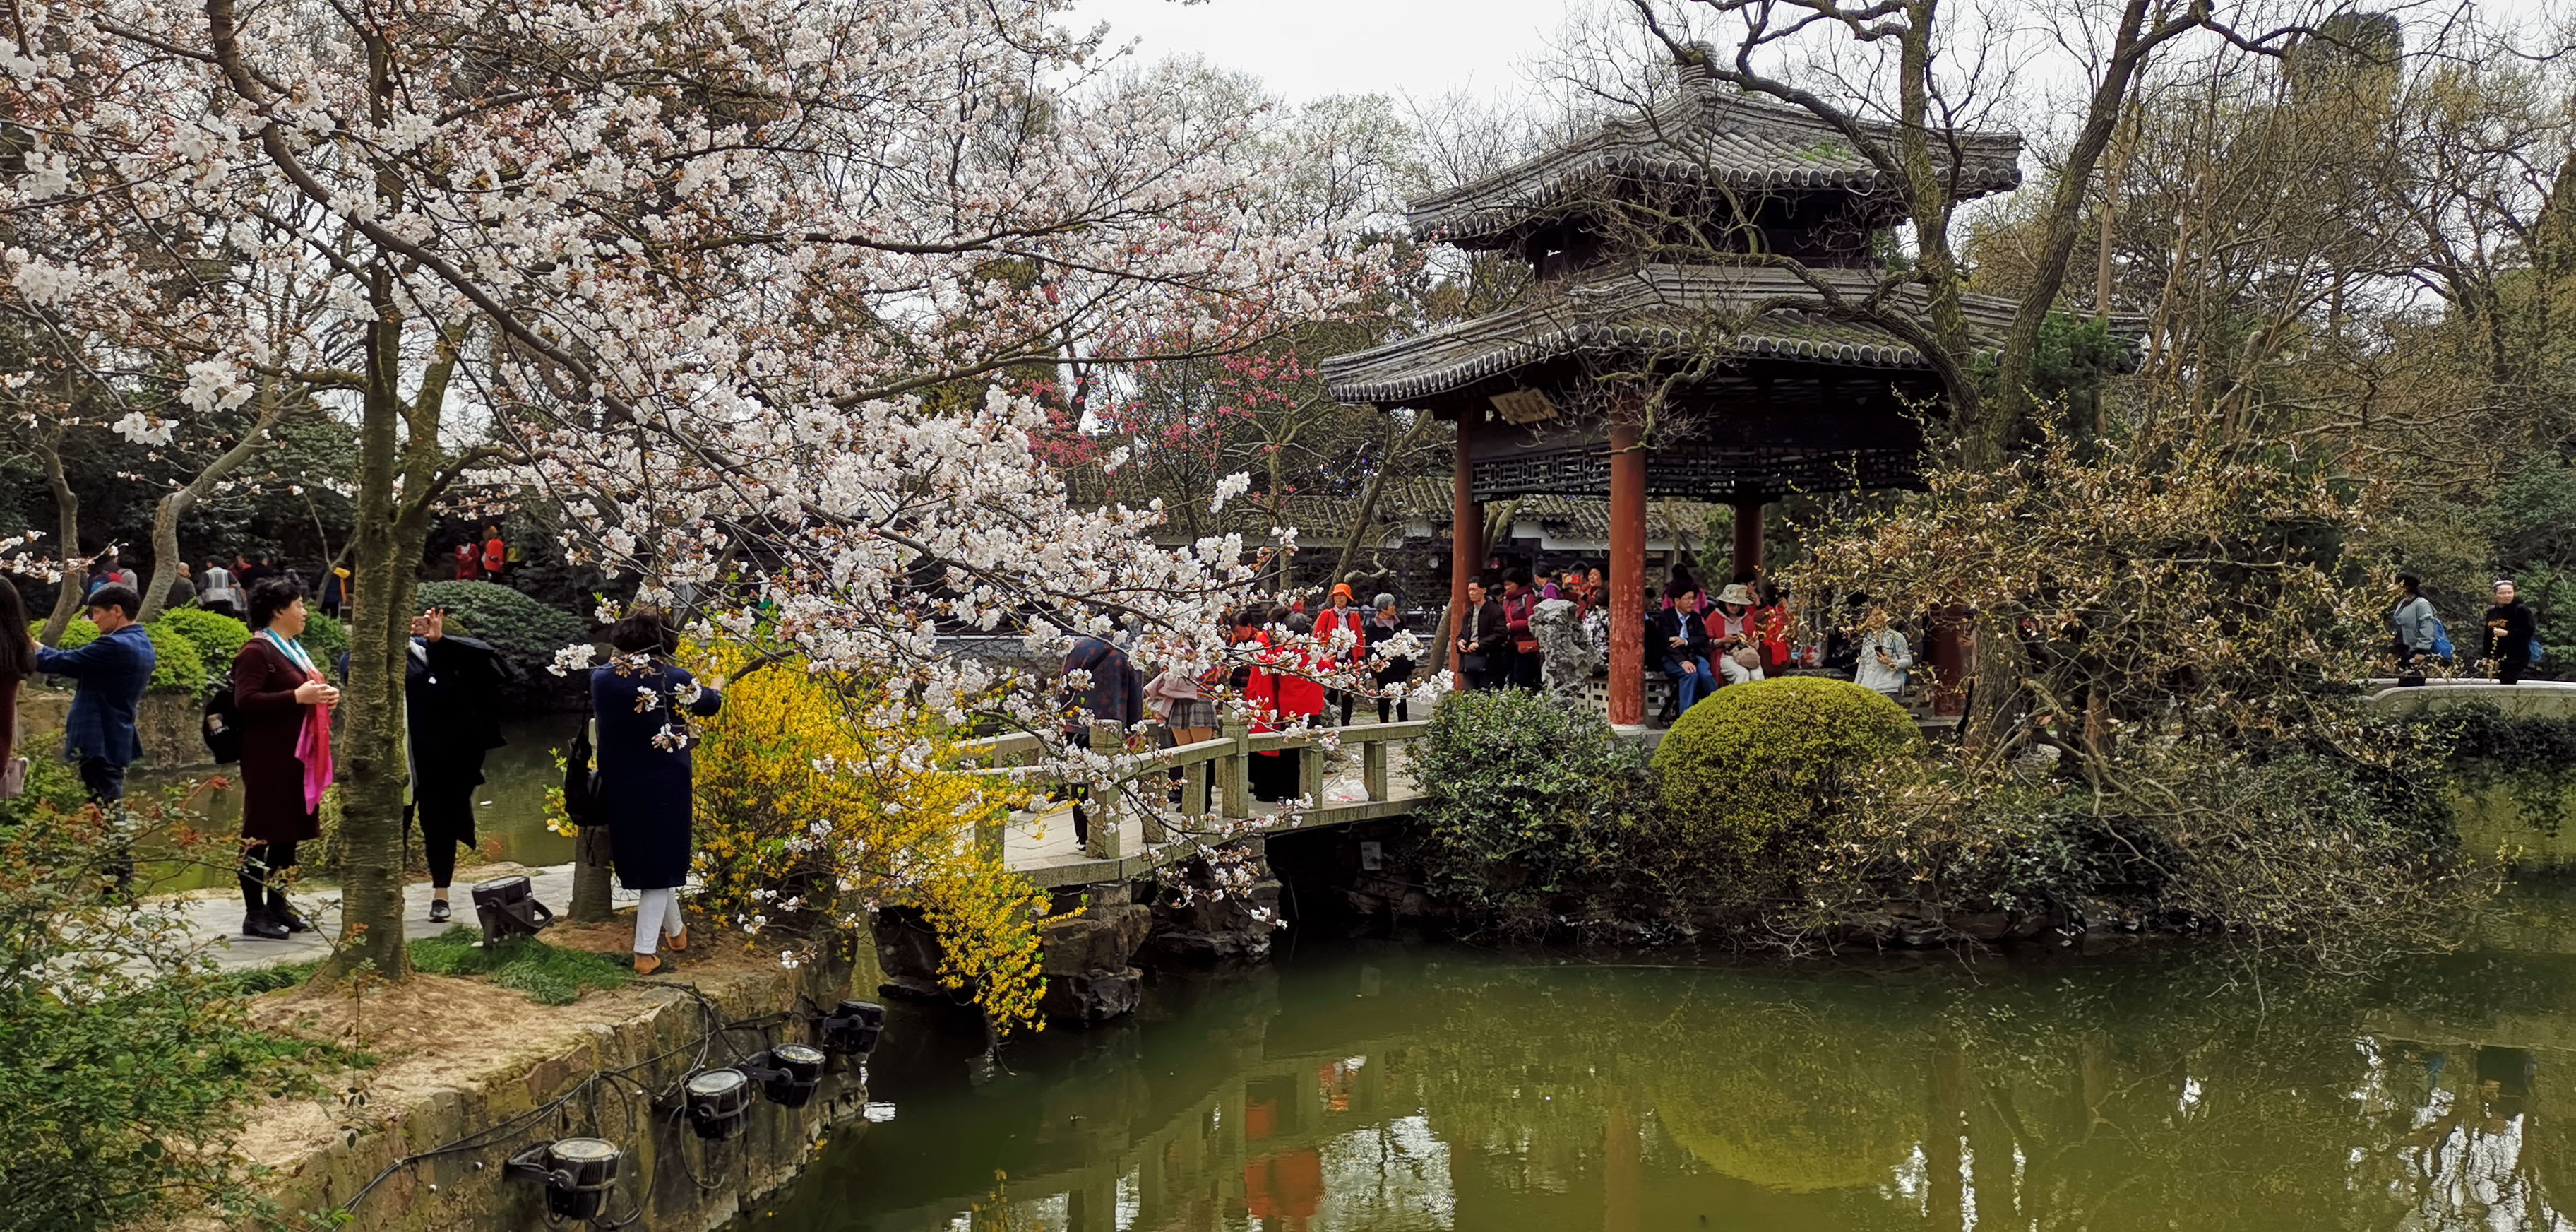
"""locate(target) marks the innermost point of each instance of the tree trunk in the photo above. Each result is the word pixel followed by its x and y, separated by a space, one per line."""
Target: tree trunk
pixel 2002 422
pixel 1369 497
pixel 67 601
pixel 590 876
pixel 371 927
pixel 1994 696
pixel 166 565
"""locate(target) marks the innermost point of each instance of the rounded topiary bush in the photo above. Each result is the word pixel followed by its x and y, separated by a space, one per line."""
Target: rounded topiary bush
pixel 216 636
pixel 1763 757
pixel 526 632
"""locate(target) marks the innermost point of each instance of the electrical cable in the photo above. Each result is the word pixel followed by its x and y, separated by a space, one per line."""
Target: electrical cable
pixel 511 1129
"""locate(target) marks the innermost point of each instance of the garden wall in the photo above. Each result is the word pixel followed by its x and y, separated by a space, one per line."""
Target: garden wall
pixel 167 722
pixel 469 1083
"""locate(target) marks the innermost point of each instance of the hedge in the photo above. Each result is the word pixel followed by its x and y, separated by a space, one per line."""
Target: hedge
pixel 1759 758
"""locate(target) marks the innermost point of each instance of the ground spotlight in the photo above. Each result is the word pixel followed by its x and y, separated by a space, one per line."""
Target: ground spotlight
pixel 787 1074
pixel 852 1028
pixel 719 1103
pixel 508 907
pixel 577 1174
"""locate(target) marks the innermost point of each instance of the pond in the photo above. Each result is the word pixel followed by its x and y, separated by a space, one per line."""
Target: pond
pixel 1385 1087
pixel 509 808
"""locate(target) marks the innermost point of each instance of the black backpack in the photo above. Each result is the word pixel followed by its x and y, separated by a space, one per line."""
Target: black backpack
pixel 221 722
pixel 581 783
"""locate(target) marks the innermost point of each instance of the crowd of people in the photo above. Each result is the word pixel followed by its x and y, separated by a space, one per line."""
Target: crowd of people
pixel 1701 642
pixel 1295 668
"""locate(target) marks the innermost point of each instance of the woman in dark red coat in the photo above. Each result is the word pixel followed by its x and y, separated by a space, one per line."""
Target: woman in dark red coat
pixel 285 705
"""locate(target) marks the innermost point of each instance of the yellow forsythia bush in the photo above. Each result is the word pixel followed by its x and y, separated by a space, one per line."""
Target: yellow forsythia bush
pixel 817 801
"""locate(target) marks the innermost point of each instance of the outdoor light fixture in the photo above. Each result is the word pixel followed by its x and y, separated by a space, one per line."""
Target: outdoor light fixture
pixel 787 1074
pixel 718 1102
pixel 508 907
pixel 851 1029
pixel 577 1174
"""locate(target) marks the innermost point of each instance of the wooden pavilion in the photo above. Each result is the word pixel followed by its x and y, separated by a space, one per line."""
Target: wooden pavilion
pixel 1687 333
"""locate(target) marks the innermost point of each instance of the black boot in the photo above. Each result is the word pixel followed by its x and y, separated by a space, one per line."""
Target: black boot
pixel 285 915
pixel 258 925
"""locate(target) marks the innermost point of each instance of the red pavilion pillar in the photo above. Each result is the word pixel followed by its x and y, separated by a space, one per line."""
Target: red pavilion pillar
pixel 1627 570
pixel 1748 535
pixel 1467 531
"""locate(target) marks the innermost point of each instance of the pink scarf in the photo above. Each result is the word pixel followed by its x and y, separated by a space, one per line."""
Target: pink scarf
pixel 313 748
pixel 313 745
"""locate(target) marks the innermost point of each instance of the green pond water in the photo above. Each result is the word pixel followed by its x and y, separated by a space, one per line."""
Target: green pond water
pixel 1356 1086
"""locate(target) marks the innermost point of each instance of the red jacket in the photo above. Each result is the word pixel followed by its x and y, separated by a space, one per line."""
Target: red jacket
pixel 1351 618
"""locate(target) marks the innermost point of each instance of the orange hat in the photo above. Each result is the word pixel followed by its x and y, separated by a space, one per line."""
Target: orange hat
pixel 1343 589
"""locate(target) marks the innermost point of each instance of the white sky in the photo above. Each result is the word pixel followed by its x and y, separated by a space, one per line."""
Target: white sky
pixel 1309 49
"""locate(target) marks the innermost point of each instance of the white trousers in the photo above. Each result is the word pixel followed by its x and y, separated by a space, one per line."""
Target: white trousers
pixel 656 917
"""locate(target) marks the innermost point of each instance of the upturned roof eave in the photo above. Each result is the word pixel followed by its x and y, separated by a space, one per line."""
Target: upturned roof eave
pixel 1711 139
pixel 1617 314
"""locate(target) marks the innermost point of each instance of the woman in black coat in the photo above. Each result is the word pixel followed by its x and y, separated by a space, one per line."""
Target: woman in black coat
pixel 644 774
pixel 285 706
pixel 452 690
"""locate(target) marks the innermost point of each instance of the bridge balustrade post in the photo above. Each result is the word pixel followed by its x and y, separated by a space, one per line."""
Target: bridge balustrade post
pixel 1194 786
pixel 1156 790
pixel 1234 771
pixel 1310 773
pixel 1108 840
pixel 1373 768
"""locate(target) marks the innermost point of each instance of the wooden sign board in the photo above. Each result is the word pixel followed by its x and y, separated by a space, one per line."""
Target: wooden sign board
pixel 1525 406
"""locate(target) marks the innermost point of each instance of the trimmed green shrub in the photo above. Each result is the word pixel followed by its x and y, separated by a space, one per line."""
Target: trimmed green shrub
pixel 526 632
pixel 216 636
pixel 80 632
pixel 326 640
pixel 177 667
pixel 1763 757
pixel 1526 802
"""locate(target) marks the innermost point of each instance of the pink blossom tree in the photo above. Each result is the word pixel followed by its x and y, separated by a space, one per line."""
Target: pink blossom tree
pixel 724 276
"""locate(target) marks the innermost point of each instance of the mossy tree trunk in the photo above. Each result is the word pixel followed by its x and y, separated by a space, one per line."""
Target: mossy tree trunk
pixel 67 601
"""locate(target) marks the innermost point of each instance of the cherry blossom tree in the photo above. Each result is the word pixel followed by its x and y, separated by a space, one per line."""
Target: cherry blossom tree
pixel 729 278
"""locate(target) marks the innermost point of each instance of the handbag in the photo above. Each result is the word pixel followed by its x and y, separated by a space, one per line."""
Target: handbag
pixel 1472 662
pixel 581 783
pixel 220 722
pixel 13 778
pixel 2441 639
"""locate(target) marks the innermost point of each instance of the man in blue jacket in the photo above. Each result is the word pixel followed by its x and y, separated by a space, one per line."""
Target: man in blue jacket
pixel 110 674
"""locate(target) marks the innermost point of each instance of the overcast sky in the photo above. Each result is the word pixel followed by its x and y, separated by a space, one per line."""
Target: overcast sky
pixel 1307 49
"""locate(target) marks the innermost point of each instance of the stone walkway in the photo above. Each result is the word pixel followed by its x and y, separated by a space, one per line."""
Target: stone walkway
pixel 216 921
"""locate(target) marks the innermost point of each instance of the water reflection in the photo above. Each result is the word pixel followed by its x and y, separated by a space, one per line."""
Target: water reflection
pixel 1397 1089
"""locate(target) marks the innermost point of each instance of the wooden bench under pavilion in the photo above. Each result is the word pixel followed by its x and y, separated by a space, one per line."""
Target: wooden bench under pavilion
pixel 1693 264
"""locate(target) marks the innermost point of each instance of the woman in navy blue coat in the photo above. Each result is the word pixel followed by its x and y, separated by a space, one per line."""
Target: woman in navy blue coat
pixel 642 703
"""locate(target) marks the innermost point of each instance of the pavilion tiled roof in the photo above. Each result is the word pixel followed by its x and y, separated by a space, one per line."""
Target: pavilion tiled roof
pixel 1707 136
pixel 1753 311
pixel 1428 499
